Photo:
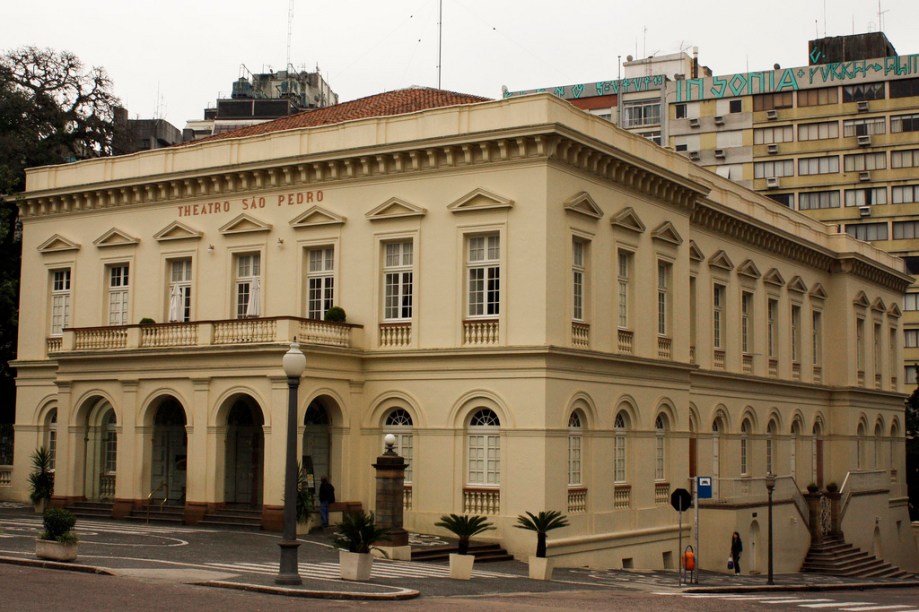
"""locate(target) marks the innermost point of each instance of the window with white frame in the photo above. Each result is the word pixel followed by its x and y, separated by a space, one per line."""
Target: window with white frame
pixel 774 169
pixel 772 315
pixel 817 337
pixel 909 375
pixel 637 114
pixel 484 448
pixel 624 284
pixel 744 447
pixel 51 438
pixel 660 447
pixel 869 231
pixel 718 318
pixel 663 298
pixel 575 439
pixel 911 301
pixel 772 135
pixel 118 284
pixel 483 263
pixel 904 123
pixel 746 322
pixel 180 290
pixel 795 333
pixel 818 131
pixel 864 127
pixel 867 91
pixel 248 274
pixel 860 162
pixel 911 338
pixel 904 194
pixel 110 444
pixel 399 424
pixel 905 230
pixel 620 431
pixel 904 159
pixel 818 165
pixel 60 301
pixel 397 281
pixel 866 197
pixel 320 282
pixel 578 277
pixel 814 200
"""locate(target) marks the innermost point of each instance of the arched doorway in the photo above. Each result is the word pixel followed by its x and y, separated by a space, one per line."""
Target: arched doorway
pixel 317 443
pixel 168 465
pixel 245 454
pixel 754 563
pixel 100 453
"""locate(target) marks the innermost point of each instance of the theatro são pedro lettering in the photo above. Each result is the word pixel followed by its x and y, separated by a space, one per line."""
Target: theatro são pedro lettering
pixel 293 198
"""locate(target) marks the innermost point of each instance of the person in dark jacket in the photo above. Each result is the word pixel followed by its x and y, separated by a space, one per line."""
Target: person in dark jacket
pixel 326 497
pixel 736 549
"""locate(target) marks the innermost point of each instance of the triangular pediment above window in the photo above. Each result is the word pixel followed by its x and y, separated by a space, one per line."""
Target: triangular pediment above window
pixel 56 244
pixel 177 231
pixel 584 204
pixel 628 219
pixel 721 260
pixel 879 306
pixel 480 199
pixel 316 216
pixel 243 224
pixel 115 237
pixel 695 253
pixel 861 300
pixel 774 277
pixel 748 269
pixel 797 285
pixel 818 292
pixel 894 311
pixel 667 233
pixel 395 208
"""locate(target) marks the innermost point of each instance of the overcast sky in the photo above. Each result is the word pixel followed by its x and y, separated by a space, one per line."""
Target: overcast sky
pixel 172 58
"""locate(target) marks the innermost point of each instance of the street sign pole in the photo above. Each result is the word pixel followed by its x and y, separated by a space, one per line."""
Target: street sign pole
pixel 682 571
pixel 695 529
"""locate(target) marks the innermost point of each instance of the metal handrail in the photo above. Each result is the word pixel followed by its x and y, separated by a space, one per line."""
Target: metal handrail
pixel 150 499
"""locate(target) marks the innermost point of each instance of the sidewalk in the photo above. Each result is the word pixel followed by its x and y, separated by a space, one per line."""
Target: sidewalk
pixel 249 560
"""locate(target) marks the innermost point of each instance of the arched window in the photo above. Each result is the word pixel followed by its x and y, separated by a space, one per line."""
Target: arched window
pixel 770 447
pixel 860 446
pixel 744 447
pixel 110 443
pixel 51 437
pixel 575 429
pixel 399 423
pixel 877 445
pixel 660 446
pixel 484 448
pixel 793 455
pixel 620 425
pixel 717 427
pixel 817 453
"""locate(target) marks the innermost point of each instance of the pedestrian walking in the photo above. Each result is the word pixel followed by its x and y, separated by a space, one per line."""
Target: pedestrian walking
pixel 326 497
pixel 736 549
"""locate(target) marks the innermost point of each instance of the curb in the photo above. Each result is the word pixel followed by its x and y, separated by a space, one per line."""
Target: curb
pixel 57 565
pixel 401 594
pixel 809 586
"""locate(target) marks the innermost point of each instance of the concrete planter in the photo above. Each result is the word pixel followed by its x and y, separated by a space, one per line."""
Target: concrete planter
pixel 355 566
pixel 305 527
pixel 541 568
pixel 40 506
pixel 53 550
pixel 461 566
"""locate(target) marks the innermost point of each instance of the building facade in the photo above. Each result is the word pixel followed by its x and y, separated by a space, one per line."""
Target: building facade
pixel 548 312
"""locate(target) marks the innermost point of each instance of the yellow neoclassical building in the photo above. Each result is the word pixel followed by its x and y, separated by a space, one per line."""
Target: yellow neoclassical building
pixel 549 313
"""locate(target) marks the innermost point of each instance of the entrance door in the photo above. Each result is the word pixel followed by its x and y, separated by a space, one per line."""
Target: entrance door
pixel 169 453
pixel 316 444
pixel 244 456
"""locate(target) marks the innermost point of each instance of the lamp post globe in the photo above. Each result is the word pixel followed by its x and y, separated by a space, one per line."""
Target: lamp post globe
pixel 389 441
pixel 293 363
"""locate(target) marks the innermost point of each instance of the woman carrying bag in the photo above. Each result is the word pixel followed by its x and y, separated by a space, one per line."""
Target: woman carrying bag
pixel 736 549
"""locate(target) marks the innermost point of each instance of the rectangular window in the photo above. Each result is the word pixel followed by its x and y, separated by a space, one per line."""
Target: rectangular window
pixel 736 106
pixel 814 200
pixel 911 338
pixel 484 276
pixel 877 348
pixel 180 290
pixel 663 298
pixel 619 458
pixel 868 91
pixel 818 97
pixel 860 343
pixel 638 114
pixel 785 199
pixel 774 169
pixel 574 460
pixel 864 127
pixel 866 197
pixel 904 194
pixel 118 295
pixel 729 139
pixel 817 337
pixel 320 282
pixel 746 322
pixel 60 301
pixel 910 375
pixel 248 281
pixel 868 231
pixel 772 135
pixel 865 161
pixel 680 111
pixel 911 301
pixel 905 88
pixel 905 230
pixel 904 123
pixel 718 319
pixel 818 165
pixel 397 281
pixel 818 131
pixel 624 280
pixel 654 137
pixel 772 101
pixel 904 159
pixel 484 459
pixel 578 268
pixel 773 327
pixel 795 333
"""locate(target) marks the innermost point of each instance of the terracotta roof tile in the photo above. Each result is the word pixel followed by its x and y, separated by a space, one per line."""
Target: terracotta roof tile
pixel 398 102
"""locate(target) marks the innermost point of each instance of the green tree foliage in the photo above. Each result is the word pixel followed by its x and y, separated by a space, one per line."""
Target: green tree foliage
pixel 912 451
pixel 52 111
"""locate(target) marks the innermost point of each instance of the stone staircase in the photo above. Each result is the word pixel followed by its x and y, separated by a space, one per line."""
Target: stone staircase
pixel 835 557
pixel 160 514
pixel 233 518
pixel 91 510
pixel 483 553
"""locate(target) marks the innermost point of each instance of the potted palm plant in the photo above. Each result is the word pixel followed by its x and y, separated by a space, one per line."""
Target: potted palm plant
pixel 41 480
pixel 306 514
pixel 463 527
pixel 57 541
pixel 356 534
pixel 542 524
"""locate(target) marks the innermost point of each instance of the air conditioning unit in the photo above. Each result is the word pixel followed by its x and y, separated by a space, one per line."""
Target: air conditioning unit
pixel 694 156
pixel 772 183
pixel 694 122
pixel 864 176
pixel 863 106
pixel 773 149
pixel 864 140
pixel 772 115
pixel 719 153
pixel 864 211
pixel 719 120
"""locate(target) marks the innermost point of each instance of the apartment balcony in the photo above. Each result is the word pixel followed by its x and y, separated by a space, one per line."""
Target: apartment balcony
pixel 267 330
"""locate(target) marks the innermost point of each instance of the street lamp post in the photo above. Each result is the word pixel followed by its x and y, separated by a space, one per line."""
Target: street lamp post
pixel 770 487
pixel 294 362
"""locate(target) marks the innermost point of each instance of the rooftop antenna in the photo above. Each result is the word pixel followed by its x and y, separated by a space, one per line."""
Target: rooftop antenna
pixel 440 39
pixel 880 17
pixel 824 18
pixel 290 26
